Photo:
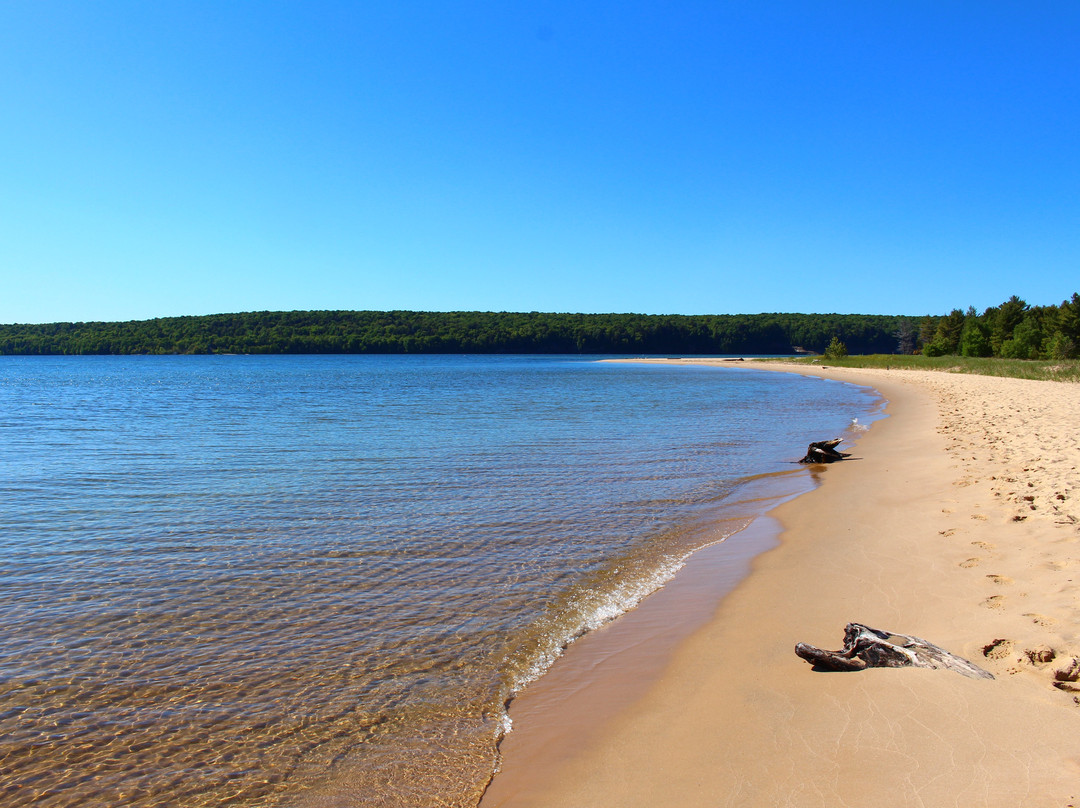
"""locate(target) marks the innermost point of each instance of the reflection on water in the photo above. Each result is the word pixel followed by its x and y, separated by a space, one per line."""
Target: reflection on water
pixel 284 580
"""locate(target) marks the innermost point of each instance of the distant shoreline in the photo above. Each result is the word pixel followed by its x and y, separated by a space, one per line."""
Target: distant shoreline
pixel 404 332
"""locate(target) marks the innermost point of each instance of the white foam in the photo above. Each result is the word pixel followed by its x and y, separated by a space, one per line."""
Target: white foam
pixel 625 596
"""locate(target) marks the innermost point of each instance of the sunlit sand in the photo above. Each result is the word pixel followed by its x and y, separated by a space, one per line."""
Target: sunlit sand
pixel 957 520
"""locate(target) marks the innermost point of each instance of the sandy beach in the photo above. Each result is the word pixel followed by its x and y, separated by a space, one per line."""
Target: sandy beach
pixel 957 519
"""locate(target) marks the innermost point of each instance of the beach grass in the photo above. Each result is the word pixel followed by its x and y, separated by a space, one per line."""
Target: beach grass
pixel 1045 370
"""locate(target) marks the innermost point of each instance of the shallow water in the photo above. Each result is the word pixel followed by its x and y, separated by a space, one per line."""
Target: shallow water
pixel 266 581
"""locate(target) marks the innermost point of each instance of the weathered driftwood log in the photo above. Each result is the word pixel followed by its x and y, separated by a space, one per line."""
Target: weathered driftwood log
pixel 824 451
pixel 866 647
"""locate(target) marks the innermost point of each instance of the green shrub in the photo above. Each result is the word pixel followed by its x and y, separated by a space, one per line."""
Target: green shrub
pixel 935 347
pixel 1060 347
pixel 836 349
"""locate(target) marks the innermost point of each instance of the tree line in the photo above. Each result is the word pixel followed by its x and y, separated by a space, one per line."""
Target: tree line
pixel 458 332
pixel 1012 329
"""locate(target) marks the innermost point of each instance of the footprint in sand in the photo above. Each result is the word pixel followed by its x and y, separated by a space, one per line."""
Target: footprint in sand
pixel 982 545
pixel 994 602
pixel 980 517
pixel 998 649
pixel 1041 619
pixel 1000 579
pixel 969 563
pixel 948 532
pixel 1070 673
pixel 1041 655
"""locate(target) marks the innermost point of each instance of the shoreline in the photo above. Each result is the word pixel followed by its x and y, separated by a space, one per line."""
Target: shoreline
pixel 603 672
pixel 918 536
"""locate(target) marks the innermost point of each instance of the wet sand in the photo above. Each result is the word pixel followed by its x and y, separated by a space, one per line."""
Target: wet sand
pixel 956 520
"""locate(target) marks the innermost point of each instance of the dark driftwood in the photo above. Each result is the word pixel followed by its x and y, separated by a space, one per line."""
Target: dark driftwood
pixel 866 647
pixel 824 451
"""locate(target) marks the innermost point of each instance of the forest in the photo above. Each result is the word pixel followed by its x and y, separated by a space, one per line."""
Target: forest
pixel 1012 329
pixel 456 332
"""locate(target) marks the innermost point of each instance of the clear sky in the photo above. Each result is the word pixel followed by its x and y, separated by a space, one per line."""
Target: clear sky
pixel 170 157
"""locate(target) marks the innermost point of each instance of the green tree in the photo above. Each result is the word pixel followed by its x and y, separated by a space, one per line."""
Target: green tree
pixel 1025 340
pixel 1066 321
pixel 836 349
pixel 927 328
pixel 975 338
pixel 946 339
pixel 1060 347
pixel 1004 320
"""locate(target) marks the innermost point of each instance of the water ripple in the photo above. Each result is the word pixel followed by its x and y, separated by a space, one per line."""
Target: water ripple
pixel 259 580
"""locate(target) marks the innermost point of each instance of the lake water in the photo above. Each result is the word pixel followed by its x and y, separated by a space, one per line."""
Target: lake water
pixel 317 580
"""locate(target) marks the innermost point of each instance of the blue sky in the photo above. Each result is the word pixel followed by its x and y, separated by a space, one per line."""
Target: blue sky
pixel 168 158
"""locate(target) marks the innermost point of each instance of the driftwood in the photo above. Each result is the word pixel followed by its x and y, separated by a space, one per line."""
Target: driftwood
pixel 824 451
pixel 866 647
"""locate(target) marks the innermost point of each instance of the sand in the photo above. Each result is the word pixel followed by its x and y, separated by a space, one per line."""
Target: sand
pixel 957 520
